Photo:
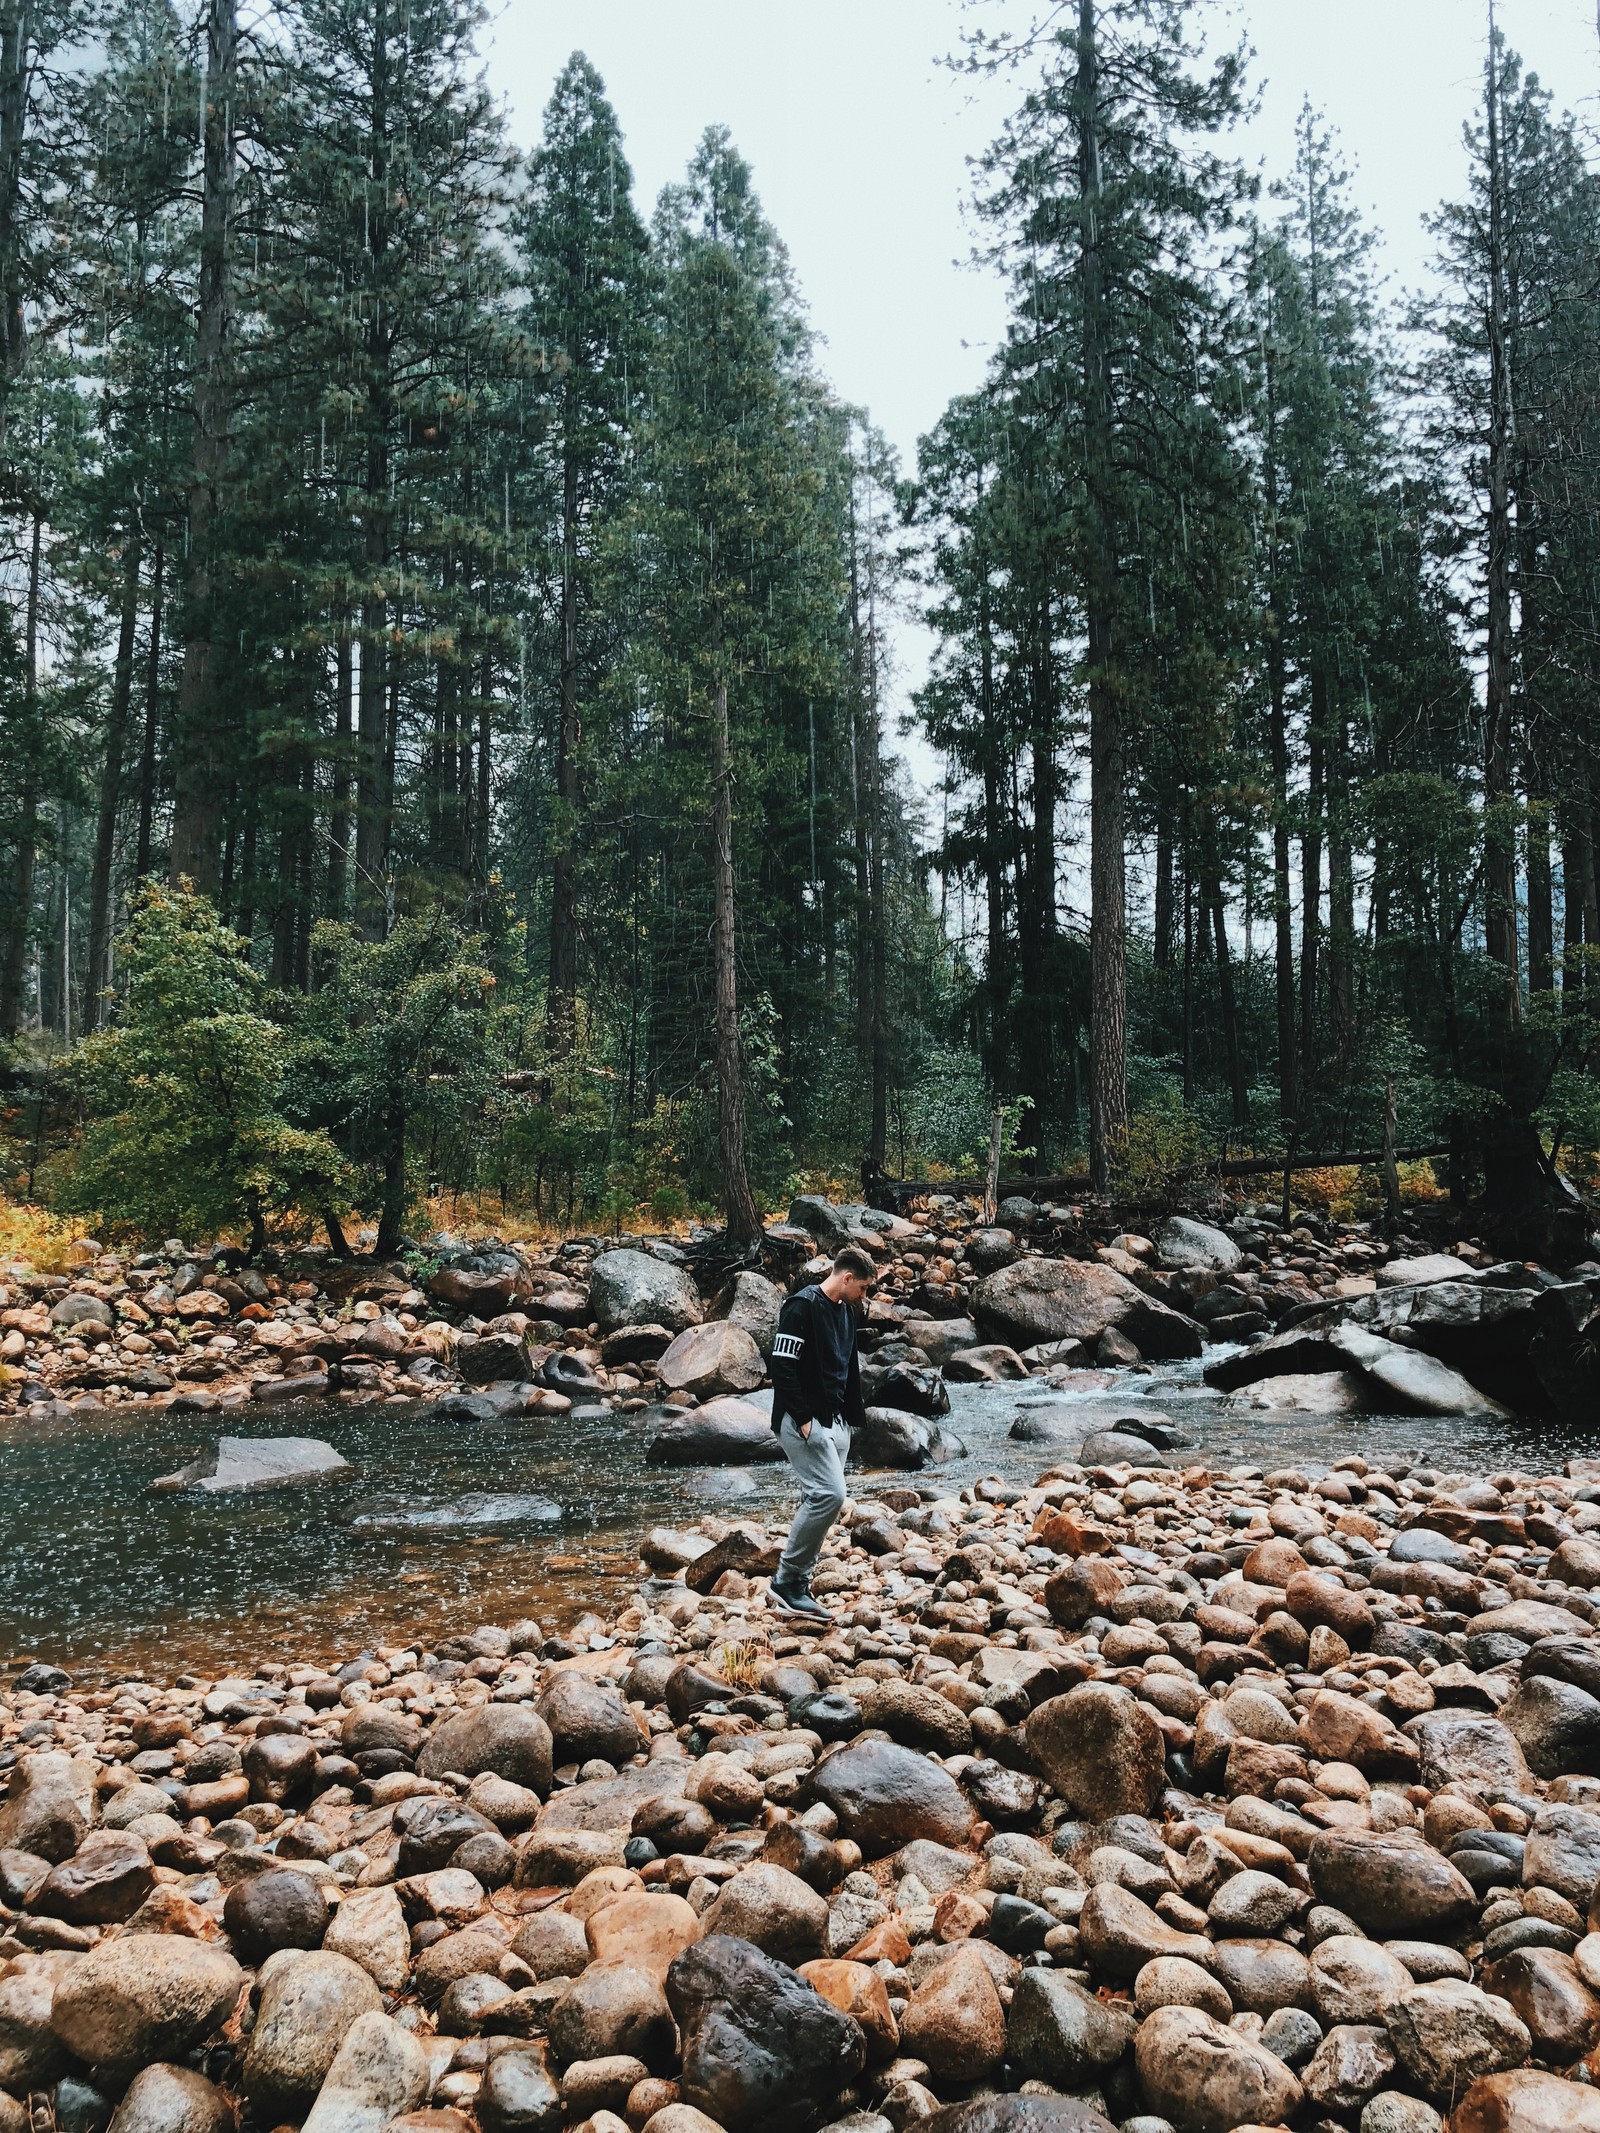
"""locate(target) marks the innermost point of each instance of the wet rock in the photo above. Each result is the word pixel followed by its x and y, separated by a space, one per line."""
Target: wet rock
pixel 1196 1246
pixel 858 1991
pixel 955 2020
pixel 431 1830
pixel 772 1909
pixel 1429 1267
pixel 281 1909
pixel 1355 1980
pixel 1057 2032
pixel 1391 1883
pixel 1460 1746
pixel 716 1357
pixel 761 2049
pixel 1447 2035
pixel 506 1739
pixel 1262 1975
pixel 628 1288
pixel 1000 2113
pixel 1070 1299
pixel 649 1929
pixel 1526 2102
pixel 309 2004
pixel 172 2099
pixel 1391 2111
pixel 893 1438
pixel 587 1719
pixel 1545 1988
pixel 280 1768
pixel 885 1795
pixel 746 1549
pixel 30 2051
pixel 369 1928
pixel 613 2007
pixel 1099 1747
pixel 49 1806
pixel 723 1432
pixel 518 2095
pixel 379 2072
pixel 554 1944
pixel 1351 2064
pixel 243 1464
pixel 145 1997
pixel 1311 1392
pixel 1175 1981
pixel 101 1884
pixel 370 1727
pixel 1122 1933
pixel 1420 1382
pixel 917 1717
pixel 1205 2078
pixel 1562 1852
pixel 1556 1725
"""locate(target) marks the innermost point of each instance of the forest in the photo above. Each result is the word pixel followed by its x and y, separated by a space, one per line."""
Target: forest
pixel 448 702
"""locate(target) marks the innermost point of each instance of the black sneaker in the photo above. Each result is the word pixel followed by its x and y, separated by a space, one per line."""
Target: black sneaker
pixel 793 1601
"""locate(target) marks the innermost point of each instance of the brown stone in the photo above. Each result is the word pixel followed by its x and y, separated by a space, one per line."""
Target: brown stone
pixel 1527 2102
pixel 1316 1599
pixel 858 1991
pixel 955 2021
pixel 1101 1749
pixel 643 1928
pixel 1562 2014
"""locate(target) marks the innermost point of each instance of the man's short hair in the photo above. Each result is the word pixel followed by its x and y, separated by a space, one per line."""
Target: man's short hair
pixel 853 1260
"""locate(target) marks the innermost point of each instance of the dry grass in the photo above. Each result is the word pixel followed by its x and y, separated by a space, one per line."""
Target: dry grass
pixel 44 1240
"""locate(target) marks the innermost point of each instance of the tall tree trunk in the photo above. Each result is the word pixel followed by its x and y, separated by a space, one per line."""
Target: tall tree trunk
pixel 374 783
pixel 198 757
pixel 561 1005
pixel 879 922
pixel 1576 861
pixel 1108 978
pixel 339 808
pixel 14 28
pixel 1164 912
pixel 1541 898
pixel 1500 850
pixel 1278 729
pixel 1311 879
pixel 152 719
pixel 1341 905
pixel 1238 1086
pixel 96 973
pixel 743 1219
pixel 14 975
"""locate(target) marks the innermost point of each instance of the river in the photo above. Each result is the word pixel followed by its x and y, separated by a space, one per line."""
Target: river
pixel 449 1524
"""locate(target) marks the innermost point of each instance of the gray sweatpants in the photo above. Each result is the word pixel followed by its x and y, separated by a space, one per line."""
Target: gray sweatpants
pixel 818 1463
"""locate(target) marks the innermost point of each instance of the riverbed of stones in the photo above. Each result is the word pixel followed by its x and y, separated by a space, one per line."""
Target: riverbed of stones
pixel 624 1324
pixel 1152 1797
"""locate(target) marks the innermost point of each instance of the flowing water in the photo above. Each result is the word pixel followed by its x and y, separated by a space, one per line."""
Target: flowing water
pixel 448 1524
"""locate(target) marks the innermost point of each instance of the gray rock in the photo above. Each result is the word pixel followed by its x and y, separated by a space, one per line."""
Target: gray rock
pixel 717 1357
pixel 1306 1392
pixel 893 1438
pixel 1072 1299
pixel 832 1222
pixel 754 1306
pixel 1196 1247
pixel 379 2072
pixel 144 1997
pixel 1562 1852
pixel 628 1288
pixel 1291 2035
pixel 1390 2111
pixel 772 1909
pixel 1355 1980
pixel 722 1432
pixel 1391 1882
pixel 1100 1749
pixel 1556 1725
pixel 244 1463
pixel 1350 2065
pixel 940 1338
pixel 1057 2032
pixel 1468 1747
pixel 172 2099
pixel 886 1795
pixel 1430 1267
pixel 518 2095
pixel 990 1249
pixel 505 1738
pixel 309 2004
pixel 760 2047
pixel 370 1928
pixel 1421 1383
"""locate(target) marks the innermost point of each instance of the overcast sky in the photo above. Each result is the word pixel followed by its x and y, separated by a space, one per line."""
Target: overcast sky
pixel 861 139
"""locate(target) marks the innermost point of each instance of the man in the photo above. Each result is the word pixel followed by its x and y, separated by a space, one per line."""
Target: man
pixel 816 1402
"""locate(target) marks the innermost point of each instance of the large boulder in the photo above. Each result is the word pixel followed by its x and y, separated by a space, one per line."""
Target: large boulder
pixel 1101 1749
pixel 754 1306
pixel 908 1386
pixel 486 1283
pixel 1391 1883
pixel 1196 1247
pixel 1565 1350
pixel 894 1438
pixel 831 1222
pixel 1526 2101
pixel 715 1357
pixel 379 2073
pixel 1420 1272
pixel 629 1288
pixel 886 1796
pixel 1556 1724
pixel 722 1432
pixel 761 2048
pixel 1305 1392
pixel 240 1464
pixel 144 1997
pixel 1417 1382
pixel 1468 1324
pixel 1075 1299
pixel 505 1738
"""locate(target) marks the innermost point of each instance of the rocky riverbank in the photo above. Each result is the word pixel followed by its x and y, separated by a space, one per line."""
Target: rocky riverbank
pixel 1159 1797
pixel 1332 1319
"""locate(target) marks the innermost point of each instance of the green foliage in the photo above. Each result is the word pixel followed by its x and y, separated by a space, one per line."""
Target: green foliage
pixel 189 1129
